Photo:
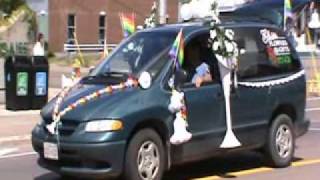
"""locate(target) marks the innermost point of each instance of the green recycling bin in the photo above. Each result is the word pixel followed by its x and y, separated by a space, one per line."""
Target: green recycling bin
pixel 17 79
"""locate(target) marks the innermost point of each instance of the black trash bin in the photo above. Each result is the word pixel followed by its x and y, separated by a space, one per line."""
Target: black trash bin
pixel 40 75
pixel 17 79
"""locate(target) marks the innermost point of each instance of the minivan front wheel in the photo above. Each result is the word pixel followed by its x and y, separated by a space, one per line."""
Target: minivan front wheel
pixel 145 157
pixel 280 145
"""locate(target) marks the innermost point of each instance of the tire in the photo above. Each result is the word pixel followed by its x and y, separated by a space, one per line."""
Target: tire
pixel 280 152
pixel 145 149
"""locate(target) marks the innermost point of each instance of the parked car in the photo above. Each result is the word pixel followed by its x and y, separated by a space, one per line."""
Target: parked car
pixel 127 132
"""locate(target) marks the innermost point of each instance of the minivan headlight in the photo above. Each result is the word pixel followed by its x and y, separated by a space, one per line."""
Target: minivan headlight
pixel 103 126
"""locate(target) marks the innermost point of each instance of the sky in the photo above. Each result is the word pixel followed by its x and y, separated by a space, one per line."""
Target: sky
pixel 38 5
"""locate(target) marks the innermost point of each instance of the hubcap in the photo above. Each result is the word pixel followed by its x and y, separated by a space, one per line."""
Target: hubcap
pixel 148 160
pixel 284 142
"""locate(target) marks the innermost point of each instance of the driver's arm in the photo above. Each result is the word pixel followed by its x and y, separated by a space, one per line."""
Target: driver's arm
pixel 203 79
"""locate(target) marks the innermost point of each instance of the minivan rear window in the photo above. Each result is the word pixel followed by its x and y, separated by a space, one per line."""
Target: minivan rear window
pixel 265 52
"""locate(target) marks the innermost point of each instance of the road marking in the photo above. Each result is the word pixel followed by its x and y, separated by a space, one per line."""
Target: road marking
pixel 313 99
pixel 15 138
pixel 306 162
pixel 250 171
pixel 312 109
pixel 314 129
pixel 18 155
pixel 7 151
pixel 239 173
pixel 259 170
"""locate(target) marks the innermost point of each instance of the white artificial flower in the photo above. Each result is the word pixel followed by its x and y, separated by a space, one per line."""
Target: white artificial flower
pixel 229 47
pixel 236 53
pixel 229 34
pixel 236 50
pixel 235 45
pixel 216 46
pixel 213 34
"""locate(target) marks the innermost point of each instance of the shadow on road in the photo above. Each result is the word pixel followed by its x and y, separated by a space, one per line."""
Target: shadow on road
pixel 48 176
pixel 219 166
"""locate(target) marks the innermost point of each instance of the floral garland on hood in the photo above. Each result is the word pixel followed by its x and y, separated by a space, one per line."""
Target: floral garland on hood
pixel 56 115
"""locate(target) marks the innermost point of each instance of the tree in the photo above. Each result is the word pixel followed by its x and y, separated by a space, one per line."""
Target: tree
pixel 7 6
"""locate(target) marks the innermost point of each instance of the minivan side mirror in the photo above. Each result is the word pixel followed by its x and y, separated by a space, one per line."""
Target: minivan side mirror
pixel 180 77
pixel 91 69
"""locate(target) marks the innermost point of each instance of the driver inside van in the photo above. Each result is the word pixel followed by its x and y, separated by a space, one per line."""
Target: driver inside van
pixel 196 66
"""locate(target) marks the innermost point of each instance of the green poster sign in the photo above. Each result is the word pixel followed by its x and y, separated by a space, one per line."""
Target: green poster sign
pixel 22 84
pixel 284 60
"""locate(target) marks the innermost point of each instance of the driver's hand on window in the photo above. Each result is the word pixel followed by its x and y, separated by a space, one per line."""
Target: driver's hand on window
pixel 199 81
pixel 202 79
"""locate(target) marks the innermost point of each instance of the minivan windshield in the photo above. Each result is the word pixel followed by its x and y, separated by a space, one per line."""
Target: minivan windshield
pixel 136 53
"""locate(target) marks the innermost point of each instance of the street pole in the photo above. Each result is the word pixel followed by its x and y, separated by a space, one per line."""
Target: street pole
pixel 162 11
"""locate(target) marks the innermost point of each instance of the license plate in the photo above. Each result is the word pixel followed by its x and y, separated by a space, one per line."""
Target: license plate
pixel 50 151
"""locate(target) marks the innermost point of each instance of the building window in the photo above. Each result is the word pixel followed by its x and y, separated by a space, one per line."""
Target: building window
pixel 102 28
pixel 71 28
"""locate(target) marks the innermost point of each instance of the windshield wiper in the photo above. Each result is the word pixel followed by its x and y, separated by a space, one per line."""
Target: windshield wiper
pixel 113 73
pixel 106 74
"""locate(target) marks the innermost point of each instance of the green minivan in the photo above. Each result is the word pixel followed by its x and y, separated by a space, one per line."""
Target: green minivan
pixel 126 132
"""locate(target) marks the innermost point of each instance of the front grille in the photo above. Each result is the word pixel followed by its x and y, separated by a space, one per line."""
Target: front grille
pixel 67 127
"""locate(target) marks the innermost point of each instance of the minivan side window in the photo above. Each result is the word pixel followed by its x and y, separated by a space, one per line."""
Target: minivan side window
pixel 264 53
pixel 197 51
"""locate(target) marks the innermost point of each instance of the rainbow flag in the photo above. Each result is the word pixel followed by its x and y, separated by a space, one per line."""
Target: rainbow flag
pixel 128 24
pixel 287 11
pixel 177 51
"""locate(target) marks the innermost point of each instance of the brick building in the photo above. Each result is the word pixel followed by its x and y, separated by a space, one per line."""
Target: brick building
pixel 92 19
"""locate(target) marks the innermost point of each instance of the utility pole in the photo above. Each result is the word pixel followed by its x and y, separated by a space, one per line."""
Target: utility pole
pixel 162 11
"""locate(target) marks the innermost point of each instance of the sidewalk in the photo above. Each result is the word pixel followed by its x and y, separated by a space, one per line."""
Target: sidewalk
pixel 16 126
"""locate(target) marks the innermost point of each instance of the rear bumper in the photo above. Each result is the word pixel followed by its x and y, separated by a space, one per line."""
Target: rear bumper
pixel 100 160
pixel 302 127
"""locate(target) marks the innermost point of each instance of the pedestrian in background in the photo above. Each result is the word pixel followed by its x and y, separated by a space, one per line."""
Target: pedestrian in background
pixel 38 49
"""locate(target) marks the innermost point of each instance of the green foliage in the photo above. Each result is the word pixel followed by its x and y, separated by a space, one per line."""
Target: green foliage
pixel 32 21
pixel 21 48
pixel 7 6
pixel 3 49
pixel 51 54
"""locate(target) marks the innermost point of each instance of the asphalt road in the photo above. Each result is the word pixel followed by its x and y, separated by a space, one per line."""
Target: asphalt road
pixel 19 162
pixel 247 165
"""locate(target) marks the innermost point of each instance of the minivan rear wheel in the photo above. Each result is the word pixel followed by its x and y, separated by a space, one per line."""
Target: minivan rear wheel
pixel 280 145
pixel 145 157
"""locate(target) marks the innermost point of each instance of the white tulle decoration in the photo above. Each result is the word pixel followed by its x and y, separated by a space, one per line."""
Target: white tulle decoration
pixel 176 101
pixel 180 135
pixel 177 106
